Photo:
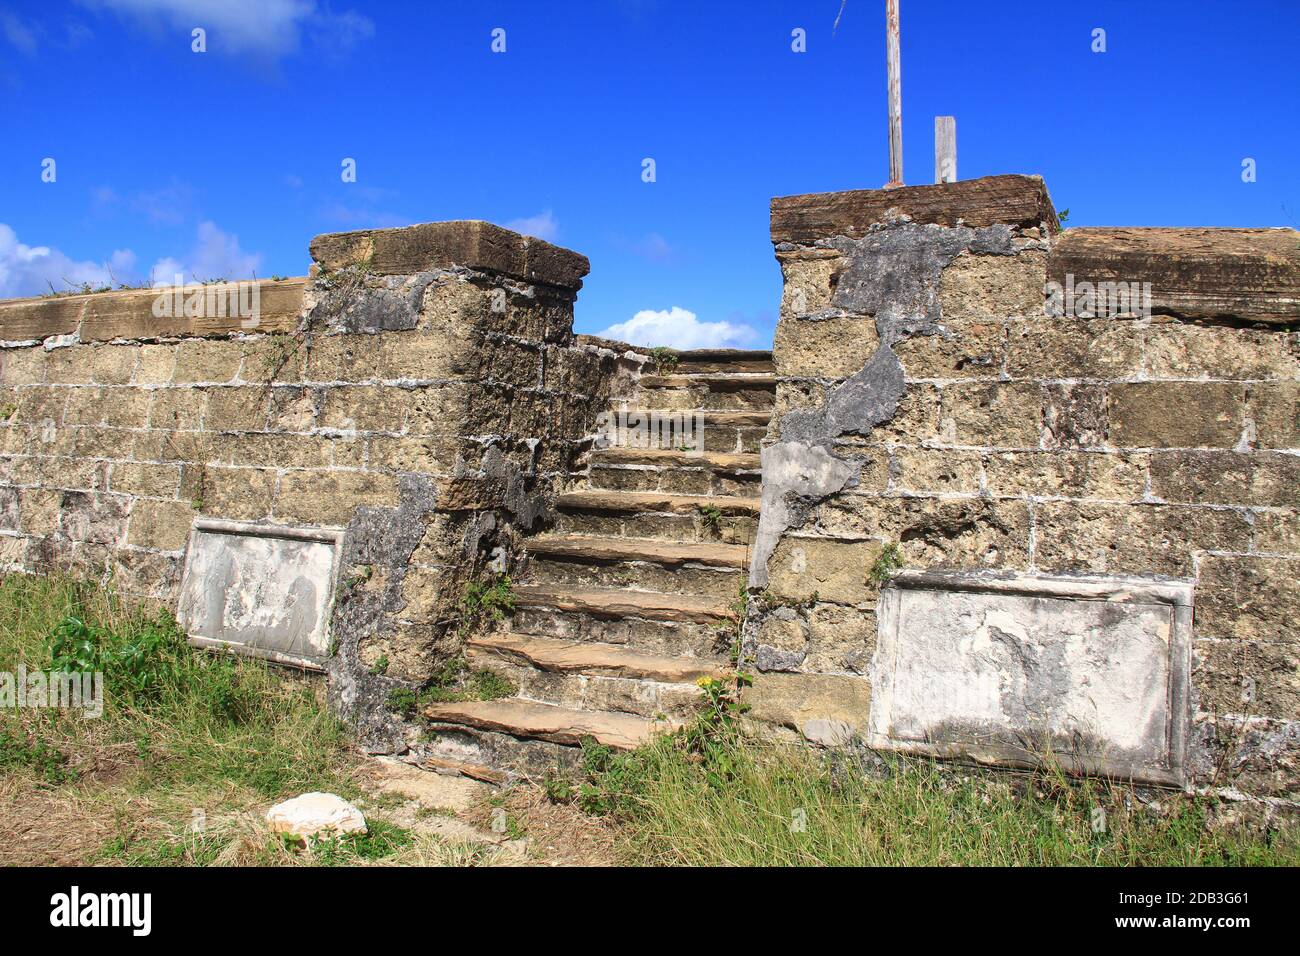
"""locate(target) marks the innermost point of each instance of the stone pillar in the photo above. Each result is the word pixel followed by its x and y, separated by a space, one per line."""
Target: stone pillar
pixel 1071 461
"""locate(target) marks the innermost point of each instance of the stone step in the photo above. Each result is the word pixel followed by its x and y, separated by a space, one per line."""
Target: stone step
pixel 672 458
pixel 650 502
pixel 561 725
pixel 668 553
pixel 723 431
pixel 709 392
pixel 675 472
pixel 650 605
pixel 567 574
pixel 667 638
pixel 591 658
pixel 716 381
pixel 729 529
pixel 648 514
pixel 724 360
pixel 640 697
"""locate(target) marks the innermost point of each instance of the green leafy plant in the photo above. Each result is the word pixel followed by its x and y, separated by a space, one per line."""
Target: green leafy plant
pixel 887 562
pixel 711 517
pixel 664 359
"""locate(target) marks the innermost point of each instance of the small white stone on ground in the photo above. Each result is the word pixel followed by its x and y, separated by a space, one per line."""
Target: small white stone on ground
pixel 315 814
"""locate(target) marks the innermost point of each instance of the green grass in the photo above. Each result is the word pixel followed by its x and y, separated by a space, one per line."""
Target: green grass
pixel 721 800
pixel 192 718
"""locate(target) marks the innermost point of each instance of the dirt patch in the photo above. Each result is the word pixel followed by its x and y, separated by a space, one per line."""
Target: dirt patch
pixel 558 834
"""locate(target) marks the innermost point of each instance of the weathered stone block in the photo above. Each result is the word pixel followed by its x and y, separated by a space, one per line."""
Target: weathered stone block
pixel 808 282
pixel 1250 598
pixel 1133 539
pixel 38 510
pixel 840 638
pixel 363 408
pixel 1005 414
pixel 415 454
pixel 164 525
pixel 1277 532
pixel 125 407
pixel 38 404
pixel 22 366
pixel 935 532
pixel 1023 669
pixel 1074 415
pixel 1056 348
pixel 1239 677
pixel 153 481
pixel 969 348
pixel 260 590
pixel 1275 408
pixel 781 641
pixel 983 287
pixel 293 409
pixel 72 365
pixel 1225 477
pixel 114 364
pixel 824 348
pixel 331 497
pixel 156 364
pixel 94 518
pixel 240 408
pixel 447 353
pixel 832 570
pixel 204 360
pixel 1176 414
pixel 1184 350
pixel 1067 474
pixel 85 406
pixel 238 493
pixel 826 708
pixel 342 358
pixel 938 472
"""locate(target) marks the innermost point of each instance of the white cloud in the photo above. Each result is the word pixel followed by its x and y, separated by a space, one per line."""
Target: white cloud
pixel 34 270
pixel 216 255
pixel 543 226
pixel 18 33
pixel 654 247
pixel 268 28
pixel 679 328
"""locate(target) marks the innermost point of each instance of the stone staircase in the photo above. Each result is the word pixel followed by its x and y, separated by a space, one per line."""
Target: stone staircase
pixel 632 596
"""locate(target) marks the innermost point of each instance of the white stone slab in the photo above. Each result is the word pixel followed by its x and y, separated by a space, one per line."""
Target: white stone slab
pixel 1093 671
pixel 260 590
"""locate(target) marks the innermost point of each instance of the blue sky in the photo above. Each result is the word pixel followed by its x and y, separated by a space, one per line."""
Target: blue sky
pixel 228 162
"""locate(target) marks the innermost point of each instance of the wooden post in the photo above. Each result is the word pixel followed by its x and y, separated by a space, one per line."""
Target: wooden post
pixel 895 97
pixel 945 149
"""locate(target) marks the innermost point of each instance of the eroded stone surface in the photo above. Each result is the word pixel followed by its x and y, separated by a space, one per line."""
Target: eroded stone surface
pixel 1095 673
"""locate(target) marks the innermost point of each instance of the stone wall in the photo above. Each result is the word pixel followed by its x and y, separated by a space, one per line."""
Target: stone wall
pixel 422 390
pixel 931 415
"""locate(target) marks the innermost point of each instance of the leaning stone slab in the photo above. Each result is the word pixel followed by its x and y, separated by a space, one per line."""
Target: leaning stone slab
pixel 315 814
pixel 1091 673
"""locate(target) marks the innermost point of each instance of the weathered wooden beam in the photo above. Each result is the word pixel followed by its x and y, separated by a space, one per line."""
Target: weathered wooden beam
pixel 945 149
pixel 895 88
pixel 1014 200
pixel 1251 275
